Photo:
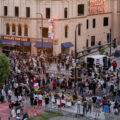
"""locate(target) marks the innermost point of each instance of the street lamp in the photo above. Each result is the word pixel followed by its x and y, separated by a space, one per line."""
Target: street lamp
pixel 41 27
pixel 76 48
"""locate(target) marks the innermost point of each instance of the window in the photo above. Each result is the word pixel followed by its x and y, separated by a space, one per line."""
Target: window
pixel 13 29
pixel 108 37
pixel 19 30
pixel 7 29
pixel 92 40
pixel 16 11
pixel 65 13
pixel 80 9
pixel 47 12
pixel 5 11
pixel 66 31
pixel 87 23
pixel 27 11
pixel 25 30
pixel 45 32
pixel 87 44
pixel 105 21
pixel 79 29
pixel 94 23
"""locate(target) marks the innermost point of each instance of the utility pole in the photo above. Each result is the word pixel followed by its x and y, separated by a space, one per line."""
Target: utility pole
pixel 76 52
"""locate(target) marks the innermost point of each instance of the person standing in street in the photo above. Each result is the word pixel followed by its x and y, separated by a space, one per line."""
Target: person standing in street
pixel 46 102
pixel 114 64
pixel 40 97
pixel 89 109
pixel 9 95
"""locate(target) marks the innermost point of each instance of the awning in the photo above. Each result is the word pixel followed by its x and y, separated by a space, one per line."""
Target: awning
pixel 12 42
pixel 117 53
pixel 45 45
pixel 27 44
pixel 66 45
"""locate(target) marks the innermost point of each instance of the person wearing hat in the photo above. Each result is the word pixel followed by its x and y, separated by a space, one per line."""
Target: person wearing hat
pixel 78 105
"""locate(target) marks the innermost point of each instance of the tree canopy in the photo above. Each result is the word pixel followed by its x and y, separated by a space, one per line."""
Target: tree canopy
pixel 4 68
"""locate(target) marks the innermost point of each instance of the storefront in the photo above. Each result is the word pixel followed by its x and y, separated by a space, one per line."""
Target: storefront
pixel 47 46
pixel 66 47
pixel 10 43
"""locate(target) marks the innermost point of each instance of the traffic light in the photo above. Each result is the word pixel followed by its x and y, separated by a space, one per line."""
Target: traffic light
pixel 99 45
pixel 79 79
pixel 73 72
pixel 114 43
pixel 88 50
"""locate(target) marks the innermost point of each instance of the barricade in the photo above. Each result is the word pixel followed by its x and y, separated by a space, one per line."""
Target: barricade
pixel 111 116
pixel 71 116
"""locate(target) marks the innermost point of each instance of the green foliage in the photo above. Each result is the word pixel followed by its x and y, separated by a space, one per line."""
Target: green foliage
pixel 46 116
pixel 4 68
pixel 102 51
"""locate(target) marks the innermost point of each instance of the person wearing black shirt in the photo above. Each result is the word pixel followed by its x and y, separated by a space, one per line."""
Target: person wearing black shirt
pixel 11 105
pixel 46 103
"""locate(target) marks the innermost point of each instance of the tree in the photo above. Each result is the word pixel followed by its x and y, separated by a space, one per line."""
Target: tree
pixel 4 68
pixel 102 50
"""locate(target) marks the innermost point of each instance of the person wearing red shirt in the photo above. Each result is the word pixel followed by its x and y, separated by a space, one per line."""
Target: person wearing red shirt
pixel 114 64
pixel 54 85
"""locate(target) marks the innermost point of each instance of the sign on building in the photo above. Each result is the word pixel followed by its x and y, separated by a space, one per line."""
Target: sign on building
pixel 51 32
pixel 97 6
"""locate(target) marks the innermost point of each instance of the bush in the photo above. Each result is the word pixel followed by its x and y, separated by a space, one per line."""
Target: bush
pixel 102 51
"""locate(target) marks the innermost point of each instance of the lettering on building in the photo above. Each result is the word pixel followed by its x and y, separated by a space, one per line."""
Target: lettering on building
pixel 97 6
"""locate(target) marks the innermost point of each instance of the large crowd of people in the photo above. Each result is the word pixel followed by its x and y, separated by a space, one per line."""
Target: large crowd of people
pixel 95 90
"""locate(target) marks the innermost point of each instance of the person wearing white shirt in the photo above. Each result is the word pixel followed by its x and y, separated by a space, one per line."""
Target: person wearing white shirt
pixel 19 98
pixel 35 96
pixel 40 97
pixel 9 95
pixel 112 106
pixel 78 106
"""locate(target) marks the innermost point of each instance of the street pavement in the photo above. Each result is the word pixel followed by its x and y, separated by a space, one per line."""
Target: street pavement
pixel 53 68
pixel 5 112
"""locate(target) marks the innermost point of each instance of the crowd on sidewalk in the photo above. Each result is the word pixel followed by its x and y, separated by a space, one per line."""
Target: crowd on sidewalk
pixel 96 88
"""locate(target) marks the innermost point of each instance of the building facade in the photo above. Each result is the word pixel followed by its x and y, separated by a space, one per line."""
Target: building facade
pixel 29 22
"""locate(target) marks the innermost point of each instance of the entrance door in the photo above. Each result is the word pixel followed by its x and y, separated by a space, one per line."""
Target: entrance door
pixel 65 50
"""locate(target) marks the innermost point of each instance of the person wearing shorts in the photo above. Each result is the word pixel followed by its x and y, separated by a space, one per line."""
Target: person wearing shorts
pixel 46 102
pixel 40 97
pixel 35 103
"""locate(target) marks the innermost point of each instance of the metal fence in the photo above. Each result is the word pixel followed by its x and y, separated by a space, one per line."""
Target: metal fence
pixel 72 116
pixel 109 116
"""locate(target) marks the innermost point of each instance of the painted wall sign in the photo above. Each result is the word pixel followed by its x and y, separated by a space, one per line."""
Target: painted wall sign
pixel 97 6
pixel 51 32
pixel 15 38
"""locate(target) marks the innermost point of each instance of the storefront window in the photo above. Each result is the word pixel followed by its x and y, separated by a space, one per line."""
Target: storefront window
pixel 65 50
pixel 7 29
pixel 19 30
pixel 92 40
pixel 13 29
pixel 66 31
pixel 79 29
pixel 25 30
